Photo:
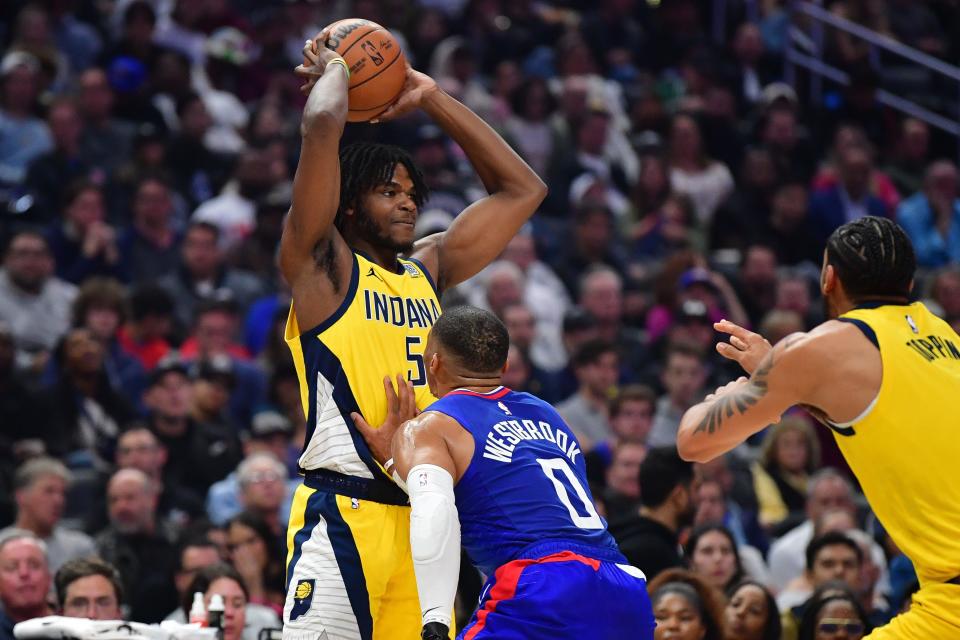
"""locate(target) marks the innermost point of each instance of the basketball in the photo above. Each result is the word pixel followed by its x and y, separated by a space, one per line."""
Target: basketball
pixel 378 67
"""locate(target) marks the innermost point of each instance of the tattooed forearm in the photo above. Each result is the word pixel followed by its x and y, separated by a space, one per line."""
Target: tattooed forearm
pixel 723 407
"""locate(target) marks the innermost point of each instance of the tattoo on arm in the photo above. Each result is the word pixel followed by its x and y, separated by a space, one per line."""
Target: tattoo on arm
pixel 739 401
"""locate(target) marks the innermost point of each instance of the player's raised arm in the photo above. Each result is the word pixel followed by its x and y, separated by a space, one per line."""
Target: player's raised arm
pixel 309 239
pixel 734 412
pixel 478 235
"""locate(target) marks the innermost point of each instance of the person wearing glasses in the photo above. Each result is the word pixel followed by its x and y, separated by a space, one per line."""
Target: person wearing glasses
pixel 836 616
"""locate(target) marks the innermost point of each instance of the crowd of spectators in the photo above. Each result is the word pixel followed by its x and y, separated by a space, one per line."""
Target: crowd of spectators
pixel 151 415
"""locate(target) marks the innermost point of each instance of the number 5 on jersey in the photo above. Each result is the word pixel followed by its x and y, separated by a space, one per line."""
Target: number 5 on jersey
pixel 592 519
pixel 419 377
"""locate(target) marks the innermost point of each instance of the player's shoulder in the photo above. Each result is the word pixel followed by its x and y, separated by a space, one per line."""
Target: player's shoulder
pixel 832 340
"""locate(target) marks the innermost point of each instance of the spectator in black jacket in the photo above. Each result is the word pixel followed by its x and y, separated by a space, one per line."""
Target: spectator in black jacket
pixel 650 539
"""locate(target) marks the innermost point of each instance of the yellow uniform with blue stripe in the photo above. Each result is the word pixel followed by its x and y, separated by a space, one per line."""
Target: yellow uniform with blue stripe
pixel 905 451
pixel 349 569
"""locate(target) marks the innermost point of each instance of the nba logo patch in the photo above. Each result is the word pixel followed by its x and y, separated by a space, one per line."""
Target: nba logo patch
pixel 302 598
pixel 913 325
pixel 412 270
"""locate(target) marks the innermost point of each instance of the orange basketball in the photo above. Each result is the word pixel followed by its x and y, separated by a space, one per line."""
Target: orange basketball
pixel 378 67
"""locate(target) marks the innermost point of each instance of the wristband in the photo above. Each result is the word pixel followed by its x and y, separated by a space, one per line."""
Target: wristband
pixel 343 63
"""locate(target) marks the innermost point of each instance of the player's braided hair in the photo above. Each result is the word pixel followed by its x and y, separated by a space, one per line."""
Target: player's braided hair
pixel 476 338
pixel 873 257
pixel 366 165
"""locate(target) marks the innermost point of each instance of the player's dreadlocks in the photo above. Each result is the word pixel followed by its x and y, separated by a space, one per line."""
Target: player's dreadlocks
pixel 365 165
pixel 477 338
pixel 873 257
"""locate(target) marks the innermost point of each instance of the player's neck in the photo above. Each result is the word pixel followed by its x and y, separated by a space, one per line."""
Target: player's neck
pixel 385 257
pixel 476 385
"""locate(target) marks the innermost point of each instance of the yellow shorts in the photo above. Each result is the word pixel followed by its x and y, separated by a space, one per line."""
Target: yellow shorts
pixel 349 570
pixel 934 615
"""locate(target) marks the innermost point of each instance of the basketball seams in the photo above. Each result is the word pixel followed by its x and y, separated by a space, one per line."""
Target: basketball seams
pixel 343 54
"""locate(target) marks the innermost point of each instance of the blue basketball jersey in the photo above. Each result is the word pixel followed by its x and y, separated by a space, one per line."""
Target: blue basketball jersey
pixel 527 480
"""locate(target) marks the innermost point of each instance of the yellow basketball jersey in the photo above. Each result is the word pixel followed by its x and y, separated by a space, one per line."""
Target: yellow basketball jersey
pixel 905 449
pixel 380 329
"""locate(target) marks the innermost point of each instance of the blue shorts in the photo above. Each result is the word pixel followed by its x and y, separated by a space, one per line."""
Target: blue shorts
pixel 563 596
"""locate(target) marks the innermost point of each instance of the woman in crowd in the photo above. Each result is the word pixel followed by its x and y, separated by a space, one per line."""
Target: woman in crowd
pixel 791 453
pixel 256 553
pixel 685 607
pixel 751 613
pixel 222 579
pixel 834 616
pixel 712 554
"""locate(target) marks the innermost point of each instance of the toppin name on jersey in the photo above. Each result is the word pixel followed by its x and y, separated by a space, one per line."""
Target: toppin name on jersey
pixel 504 437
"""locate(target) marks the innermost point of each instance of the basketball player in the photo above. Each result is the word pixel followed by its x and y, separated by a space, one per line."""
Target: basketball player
pixel 884 375
pixel 364 298
pixel 501 472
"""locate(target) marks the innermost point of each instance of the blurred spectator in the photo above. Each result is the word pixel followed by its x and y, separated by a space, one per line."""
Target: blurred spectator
pixel 136 37
pixel 745 213
pixel 258 253
pixel 595 366
pixel 213 380
pixel 529 129
pixel 705 181
pixel 850 198
pixel 686 607
pixel 621 494
pixel 149 247
pixel 826 490
pixel 945 292
pixel 101 309
pixel 105 140
pixel 198 172
pixel 909 164
pixel 753 66
pixel 751 613
pixel 137 544
pixel 198 455
pixel 682 278
pixel 260 485
pixel 757 281
pixel 40 487
pixel 601 295
pixel 684 374
pixel 779 323
pixel 254 548
pixel 22 410
pixel 794 294
pixel 89 588
pixel 88 413
pixel 23 136
pixel 649 537
pixel 713 506
pixel 24 580
pixel 49 175
pixel 592 242
pixel 545 295
pixel 791 455
pixel 711 553
pixel 145 335
pixel 234 209
pixel 830 556
pixel 82 243
pixel 216 334
pixel 241 619
pixel 931 217
pixel 789 230
pixel 194 553
pixel 138 448
pixel 831 616
pixel 780 134
pixel 203 275
pixel 739 501
pixel 849 136
pixel 33 302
